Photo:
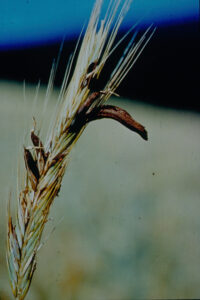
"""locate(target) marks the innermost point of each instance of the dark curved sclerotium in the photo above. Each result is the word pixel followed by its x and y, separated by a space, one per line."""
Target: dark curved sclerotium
pixel 120 115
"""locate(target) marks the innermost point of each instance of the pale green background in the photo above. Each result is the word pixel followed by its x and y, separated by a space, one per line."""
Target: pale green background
pixel 127 220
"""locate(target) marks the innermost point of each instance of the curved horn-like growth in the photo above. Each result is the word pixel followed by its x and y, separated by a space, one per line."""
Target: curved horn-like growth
pixel 46 162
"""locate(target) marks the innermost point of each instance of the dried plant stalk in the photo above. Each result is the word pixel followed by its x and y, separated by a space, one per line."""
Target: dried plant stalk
pixel 46 163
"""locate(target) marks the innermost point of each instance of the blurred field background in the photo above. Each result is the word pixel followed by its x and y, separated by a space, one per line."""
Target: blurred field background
pixel 126 223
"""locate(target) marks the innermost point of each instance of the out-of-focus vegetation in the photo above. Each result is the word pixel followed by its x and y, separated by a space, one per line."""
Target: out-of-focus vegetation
pixel 126 223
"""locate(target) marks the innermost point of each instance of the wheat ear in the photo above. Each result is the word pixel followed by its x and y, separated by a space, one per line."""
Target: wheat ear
pixel 46 163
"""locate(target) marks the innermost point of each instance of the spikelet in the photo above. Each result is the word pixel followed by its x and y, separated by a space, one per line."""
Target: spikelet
pixel 46 163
